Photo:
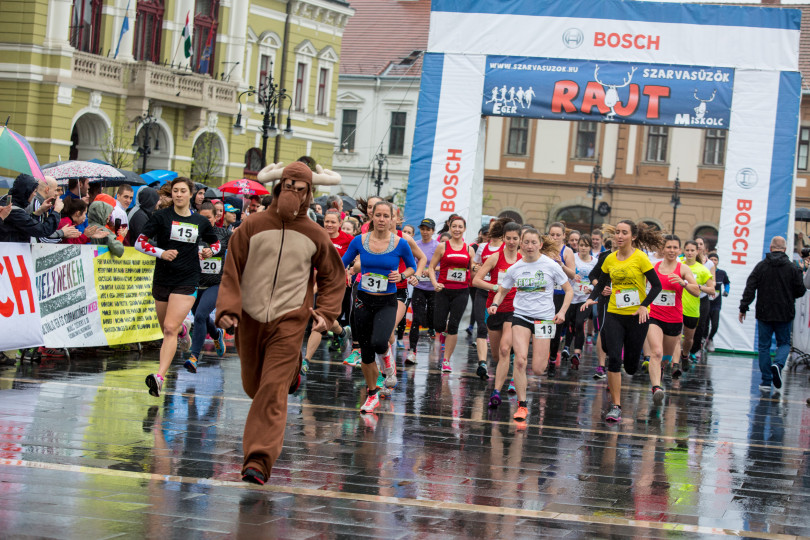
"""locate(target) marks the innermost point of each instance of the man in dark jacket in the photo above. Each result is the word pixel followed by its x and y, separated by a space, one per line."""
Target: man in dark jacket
pixel 776 282
pixel 20 226
pixel 147 201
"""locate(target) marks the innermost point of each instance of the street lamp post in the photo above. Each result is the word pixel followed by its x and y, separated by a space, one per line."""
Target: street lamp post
pixel 382 159
pixel 675 201
pixel 143 147
pixel 272 99
pixel 595 190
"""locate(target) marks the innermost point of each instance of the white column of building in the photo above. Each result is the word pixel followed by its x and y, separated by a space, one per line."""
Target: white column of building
pixel 125 48
pixel 237 36
pixel 57 31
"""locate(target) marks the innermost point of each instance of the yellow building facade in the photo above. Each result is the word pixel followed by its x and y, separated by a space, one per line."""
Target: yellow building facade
pixel 65 88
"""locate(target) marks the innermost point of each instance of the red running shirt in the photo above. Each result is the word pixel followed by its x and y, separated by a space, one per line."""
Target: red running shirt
pixel 501 266
pixel 454 267
pixel 667 306
pixel 341 242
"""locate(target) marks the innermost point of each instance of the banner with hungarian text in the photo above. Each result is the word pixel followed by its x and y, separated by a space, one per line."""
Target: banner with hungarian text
pixel 75 296
pixel 621 92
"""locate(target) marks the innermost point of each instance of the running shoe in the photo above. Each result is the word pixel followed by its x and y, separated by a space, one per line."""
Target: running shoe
pixel 564 355
pixel 400 345
pixel 253 476
pixel 776 372
pixel 599 374
pixel 482 371
pixel 411 358
pixel 710 345
pixel 372 402
pixel 446 368
pixel 521 414
pixel 52 353
pixel 353 359
pixel 676 371
pixel 657 395
pixel 191 364
pixel 765 387
pixel 470 330
pixel 575 362
pixel 614 415
pixel 155 384
pixel 494 399
pixel 6 360
pixel 645 365
pixel 432 334
pixel 551 372
pixel 183 331
pixel 390 370
pixel 304 367
pixel 383 391
pixel 219 342
pixel 511 389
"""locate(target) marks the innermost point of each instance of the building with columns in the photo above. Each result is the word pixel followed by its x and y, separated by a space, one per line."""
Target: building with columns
pixel 75 85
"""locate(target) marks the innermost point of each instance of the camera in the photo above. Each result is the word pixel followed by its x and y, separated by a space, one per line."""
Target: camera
pixel 805 252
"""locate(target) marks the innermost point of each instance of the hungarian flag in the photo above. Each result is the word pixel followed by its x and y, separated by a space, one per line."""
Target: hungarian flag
pixel 187 37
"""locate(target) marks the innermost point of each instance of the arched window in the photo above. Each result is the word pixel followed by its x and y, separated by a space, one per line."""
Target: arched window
pixel 207 158
pixel 253 162
pixel 148 30
pixel 709 235
pixel 85 26
pixel 206 21
pixel 651 224
pixel 579 218
pixel 512 214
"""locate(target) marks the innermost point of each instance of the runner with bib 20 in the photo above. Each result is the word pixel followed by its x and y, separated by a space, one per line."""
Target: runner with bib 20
pixel 535 318
pixel 626 321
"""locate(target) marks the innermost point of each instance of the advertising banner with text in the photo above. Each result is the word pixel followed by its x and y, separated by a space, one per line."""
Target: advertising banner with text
pixel 19 309
pixel 622 92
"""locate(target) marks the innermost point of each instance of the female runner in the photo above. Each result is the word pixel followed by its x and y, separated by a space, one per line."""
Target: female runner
pixel 500 324
pixel 626 321
pixel 454 258
pixel 575 318
pixel 666 312
pixel 375 308
pixel 565 258
pixel 177 233
pixel 691 305
pixel 535 318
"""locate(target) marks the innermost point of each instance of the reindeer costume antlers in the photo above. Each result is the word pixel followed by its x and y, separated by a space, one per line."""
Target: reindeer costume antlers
pixel 321 176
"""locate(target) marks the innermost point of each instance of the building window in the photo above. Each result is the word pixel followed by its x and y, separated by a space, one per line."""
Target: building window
pixel 148 30
pixel 206 21
pixel 348 129
pixel 265 65
pixel 396 143
pixel 300 86
pixel 714 153
pixel 512 215
pixel 804 146
pixel 657 143
pixel 323 79
pixel 578 218
pixel 518 136
pixel 709 235
pixel 586 140
pixel 85 25
pixel 253 162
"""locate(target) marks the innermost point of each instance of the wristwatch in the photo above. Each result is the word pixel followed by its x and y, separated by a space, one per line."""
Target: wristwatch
pixel 495 288
pixel 494 304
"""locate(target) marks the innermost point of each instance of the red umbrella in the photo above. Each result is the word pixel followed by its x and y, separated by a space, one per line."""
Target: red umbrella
pixel 244 187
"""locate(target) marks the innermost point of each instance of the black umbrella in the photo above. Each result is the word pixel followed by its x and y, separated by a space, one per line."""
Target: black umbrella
pixel 802 214
pixel 213 193
pixel 349 203
pixel 130 177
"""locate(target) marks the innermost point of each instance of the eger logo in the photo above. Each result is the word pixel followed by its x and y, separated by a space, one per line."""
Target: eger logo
pixel 573 38
pixel 507 101
pixel 747 178
pixel 699 119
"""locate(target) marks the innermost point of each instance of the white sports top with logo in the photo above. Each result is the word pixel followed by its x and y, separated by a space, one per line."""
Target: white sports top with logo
pixel 534 283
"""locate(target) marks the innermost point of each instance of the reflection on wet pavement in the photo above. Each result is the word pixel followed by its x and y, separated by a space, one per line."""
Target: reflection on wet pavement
pixel 85 452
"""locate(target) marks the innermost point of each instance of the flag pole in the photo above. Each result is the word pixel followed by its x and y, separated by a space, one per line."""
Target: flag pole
pixel 179 41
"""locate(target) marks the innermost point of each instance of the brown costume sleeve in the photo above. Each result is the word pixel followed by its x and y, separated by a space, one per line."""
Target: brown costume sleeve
pixel 229 298
pixel 331 280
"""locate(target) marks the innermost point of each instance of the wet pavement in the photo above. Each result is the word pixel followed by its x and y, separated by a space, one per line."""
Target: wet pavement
pixel 86 453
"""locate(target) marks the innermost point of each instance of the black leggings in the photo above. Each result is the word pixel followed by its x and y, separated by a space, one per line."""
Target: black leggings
pixel 449 308
pixel 714 320
pixel 479 309
pixel 346 309
pixel 554 346
pixel 703 325
pixel 374 316
pixel 623 336
pixel 575 324
pixel 422 306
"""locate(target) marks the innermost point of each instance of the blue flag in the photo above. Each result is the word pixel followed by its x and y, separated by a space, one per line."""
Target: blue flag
pixel 124 30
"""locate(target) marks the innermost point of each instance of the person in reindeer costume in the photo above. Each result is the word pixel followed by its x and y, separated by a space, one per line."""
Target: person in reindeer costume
pixel 267 295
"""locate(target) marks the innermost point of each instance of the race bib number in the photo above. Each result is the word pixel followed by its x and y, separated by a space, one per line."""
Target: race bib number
pixel 627 298
pixel 184 232
pixel 544 329
pixel 374 283
pixel 501 275
pixel 665 299
pixel 212 265
pixel 459 275
pixel 584 286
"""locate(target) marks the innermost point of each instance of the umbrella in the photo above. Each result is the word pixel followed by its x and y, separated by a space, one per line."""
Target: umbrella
pixel 17 154
pixel 130 177
pixel 6 182
pixel 802 214
pixel 213 193
pixel 349 203
pixel 82 169
pixel 243 187
pixel 159 176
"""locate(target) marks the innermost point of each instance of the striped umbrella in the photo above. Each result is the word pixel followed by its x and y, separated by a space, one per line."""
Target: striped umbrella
pixel 16 154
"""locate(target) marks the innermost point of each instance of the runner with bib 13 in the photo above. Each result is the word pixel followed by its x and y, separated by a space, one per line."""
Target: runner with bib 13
pixel 535 318
pixel 627 316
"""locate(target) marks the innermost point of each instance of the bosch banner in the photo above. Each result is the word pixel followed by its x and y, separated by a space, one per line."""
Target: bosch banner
pixel 666 95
